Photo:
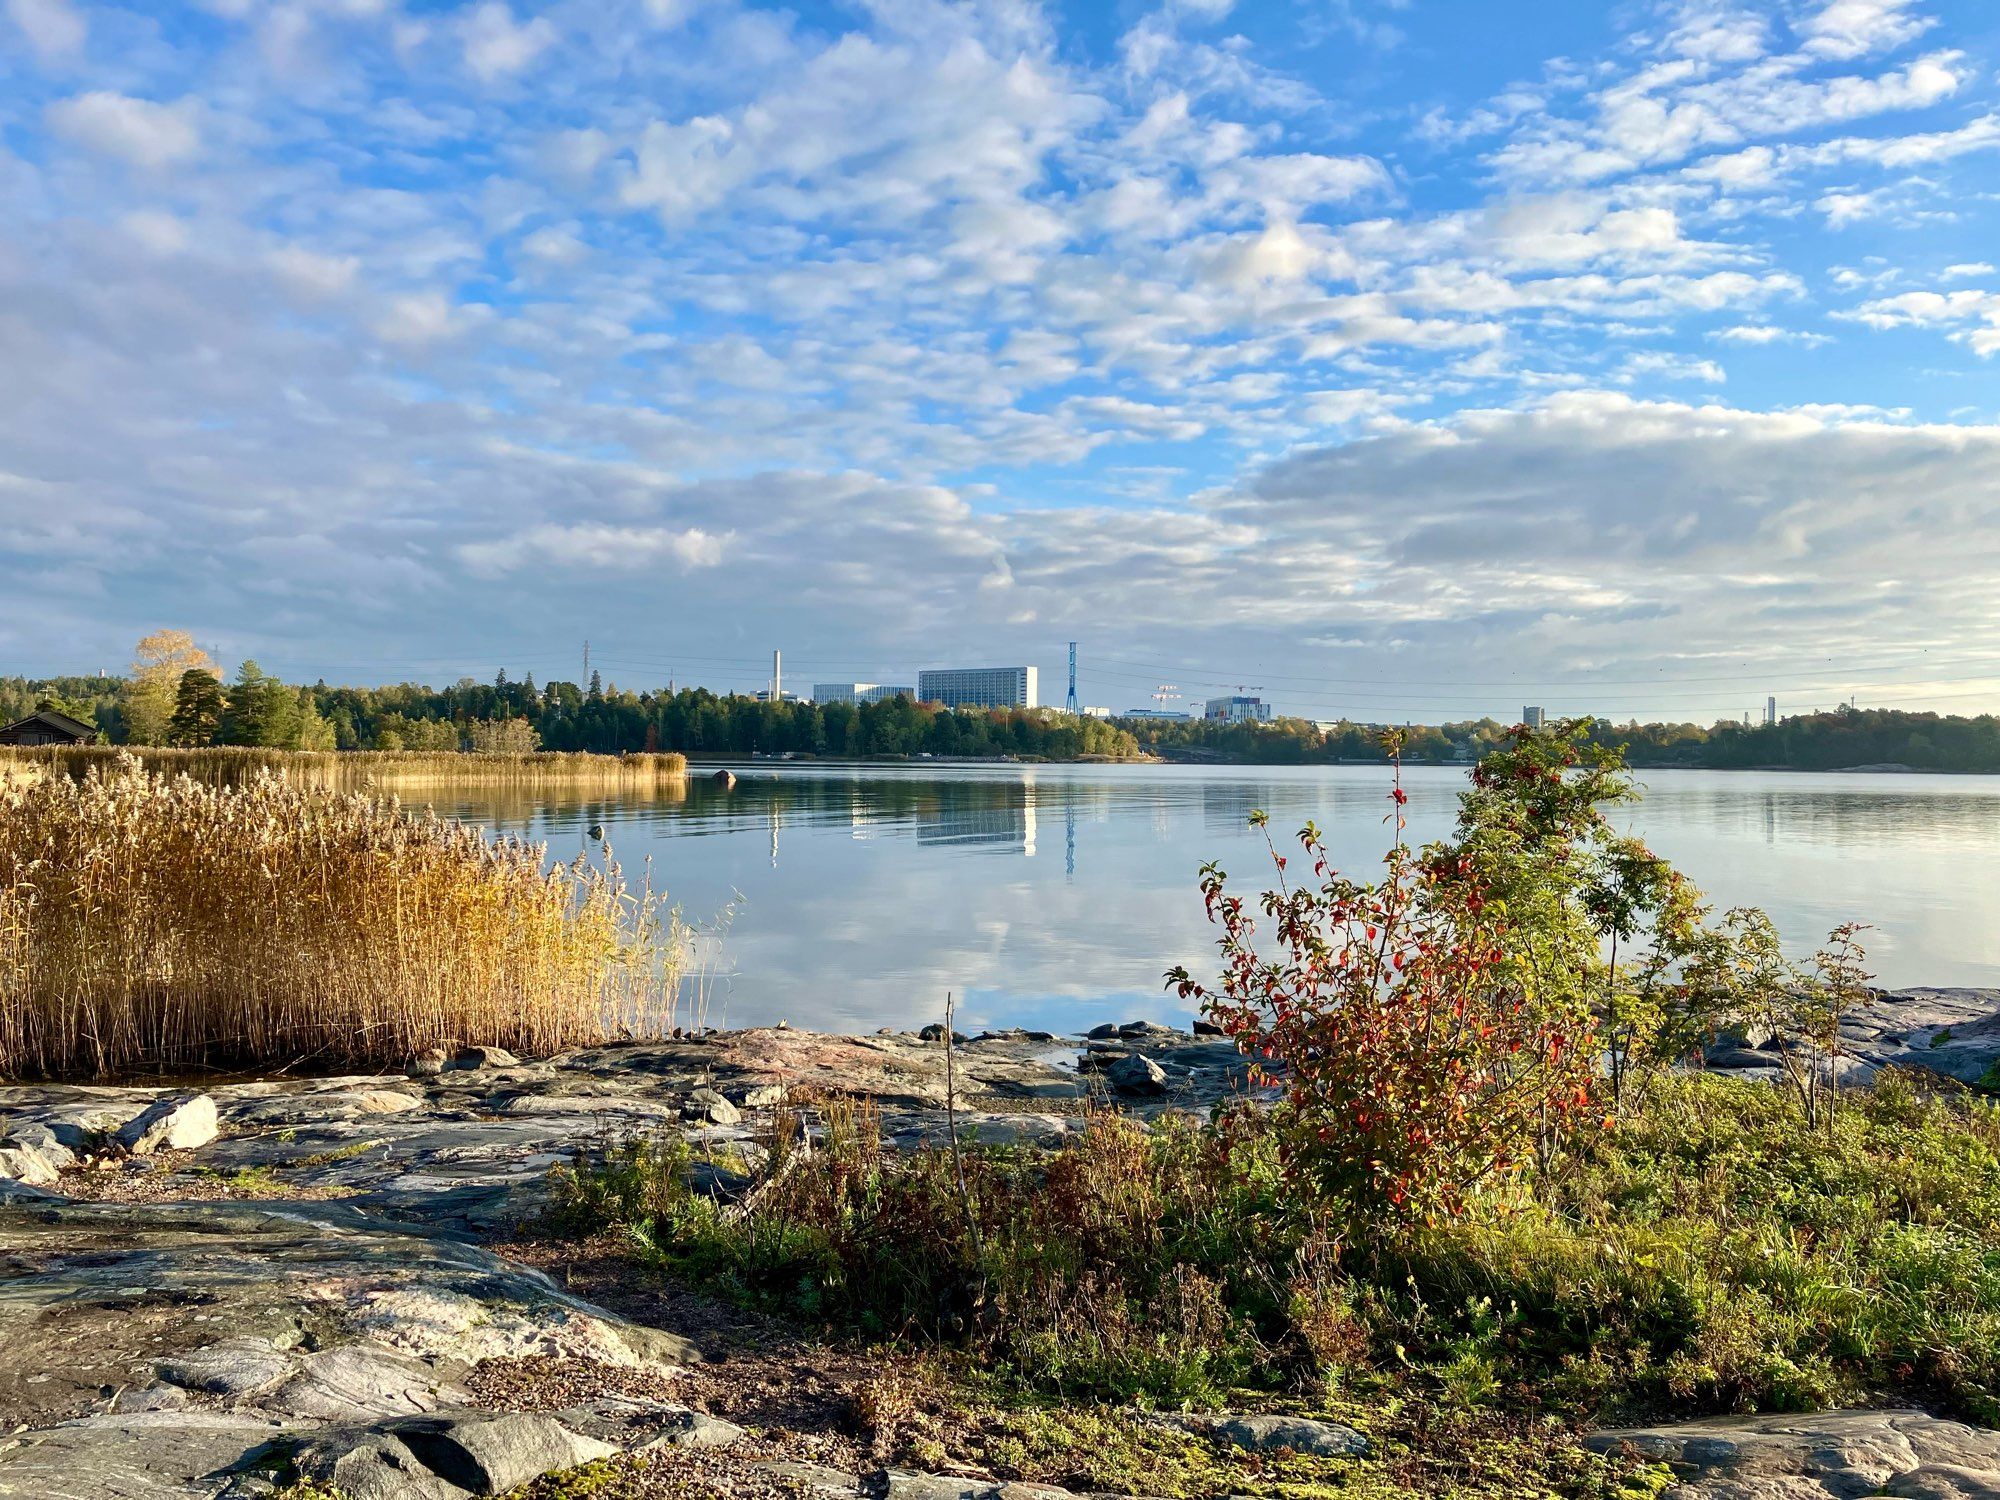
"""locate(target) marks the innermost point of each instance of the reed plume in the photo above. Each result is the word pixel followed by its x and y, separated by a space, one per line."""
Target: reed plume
pixel 151 920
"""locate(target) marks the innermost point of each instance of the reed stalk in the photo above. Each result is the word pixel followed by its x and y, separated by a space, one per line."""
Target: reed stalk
pixel 163 921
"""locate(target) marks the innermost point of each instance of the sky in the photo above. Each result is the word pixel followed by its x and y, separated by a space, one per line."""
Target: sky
pixel 1402 359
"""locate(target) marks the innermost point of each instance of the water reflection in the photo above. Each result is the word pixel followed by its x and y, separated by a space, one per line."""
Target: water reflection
pixel 867 892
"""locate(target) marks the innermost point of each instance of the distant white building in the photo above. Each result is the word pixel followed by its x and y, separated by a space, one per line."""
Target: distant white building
pixel 859 692
pixel 1237 709
pixel 980 687
pixel 1532 716
pixel 1154 713
pixel 1090 711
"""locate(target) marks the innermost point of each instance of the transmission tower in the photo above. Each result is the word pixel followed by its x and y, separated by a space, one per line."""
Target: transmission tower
pixel 1069 704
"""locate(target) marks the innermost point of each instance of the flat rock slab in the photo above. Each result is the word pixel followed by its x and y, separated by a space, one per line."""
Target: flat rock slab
pixel 314 1303
pixel 181 1455
pixel 1835 1455
pixel 469 1145
pixel 894 1484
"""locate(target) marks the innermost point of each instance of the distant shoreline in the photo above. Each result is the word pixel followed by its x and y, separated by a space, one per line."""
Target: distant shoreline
pixel 752 763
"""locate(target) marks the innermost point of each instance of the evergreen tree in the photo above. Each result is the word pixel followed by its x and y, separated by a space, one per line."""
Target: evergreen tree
pixel 262 711
pixel 198 708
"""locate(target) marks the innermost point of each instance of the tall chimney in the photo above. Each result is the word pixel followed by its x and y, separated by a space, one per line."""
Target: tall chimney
pixel 777 676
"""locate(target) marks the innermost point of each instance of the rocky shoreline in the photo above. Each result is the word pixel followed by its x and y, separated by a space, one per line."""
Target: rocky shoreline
pixel 203 1287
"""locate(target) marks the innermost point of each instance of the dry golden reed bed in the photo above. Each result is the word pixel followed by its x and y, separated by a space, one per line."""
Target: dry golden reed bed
pixel 149 920
pixel 235 765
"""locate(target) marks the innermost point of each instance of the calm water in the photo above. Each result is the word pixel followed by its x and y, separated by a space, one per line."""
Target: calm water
pixel 1056 895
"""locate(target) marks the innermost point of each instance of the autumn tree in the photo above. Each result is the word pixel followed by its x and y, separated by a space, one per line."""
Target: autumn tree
pixel 159 662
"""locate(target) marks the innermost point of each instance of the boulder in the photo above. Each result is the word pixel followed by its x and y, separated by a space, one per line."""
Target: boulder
pixel 444 1457
pixel 43 1140
pixel 1103 1033
pixel 467 1059
pixel 23 1163
pixel 707 1104
pixel 1267 1434
pixel 364 1464
pixel 427 1064
pixel 490 1454
pixel 380 1101
pixel 178 1122
pixel 683 1427
pixel 935 1033
pixel 1137 1074
pixel 1830 1455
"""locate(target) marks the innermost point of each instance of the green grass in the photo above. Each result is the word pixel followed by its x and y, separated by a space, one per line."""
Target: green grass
pixel 1711 1254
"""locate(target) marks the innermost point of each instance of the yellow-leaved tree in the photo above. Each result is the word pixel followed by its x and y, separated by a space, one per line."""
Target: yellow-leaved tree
pixel 155 678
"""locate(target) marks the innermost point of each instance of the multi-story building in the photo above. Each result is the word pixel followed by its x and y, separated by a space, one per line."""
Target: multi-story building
pixel 1237 709
pixel 859 692
pixel 980 687
pixel 1154 713
pixel 1532 716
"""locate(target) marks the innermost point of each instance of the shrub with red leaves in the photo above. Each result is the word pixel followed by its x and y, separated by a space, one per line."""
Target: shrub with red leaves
pixel 1420 1064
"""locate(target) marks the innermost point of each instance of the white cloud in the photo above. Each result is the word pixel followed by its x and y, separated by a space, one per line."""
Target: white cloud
pixel 1967 268
pixel 594 547
pixel 418 319
pixel 138 131
pixel 1711 524
pixel 312 275
pixel 54 28
pixel 1661 365
pixel 555 245
pixel 1973 315
pixel 1671 110
pixel 1855 28
pixel 1766 333
pixel 495 46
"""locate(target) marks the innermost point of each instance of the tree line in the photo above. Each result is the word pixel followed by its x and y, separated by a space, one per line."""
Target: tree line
pixel 174 695
pixel 1832 741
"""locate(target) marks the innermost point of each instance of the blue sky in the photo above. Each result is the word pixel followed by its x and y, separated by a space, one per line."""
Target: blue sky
pixel 1413 359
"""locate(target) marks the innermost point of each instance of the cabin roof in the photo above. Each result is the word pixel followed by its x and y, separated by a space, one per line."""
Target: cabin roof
pixel 54 720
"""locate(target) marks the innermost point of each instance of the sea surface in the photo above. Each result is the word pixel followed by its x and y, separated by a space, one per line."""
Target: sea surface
pixel 851 897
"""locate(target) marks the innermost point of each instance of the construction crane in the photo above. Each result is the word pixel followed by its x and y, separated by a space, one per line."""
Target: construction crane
pixel 1166 692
